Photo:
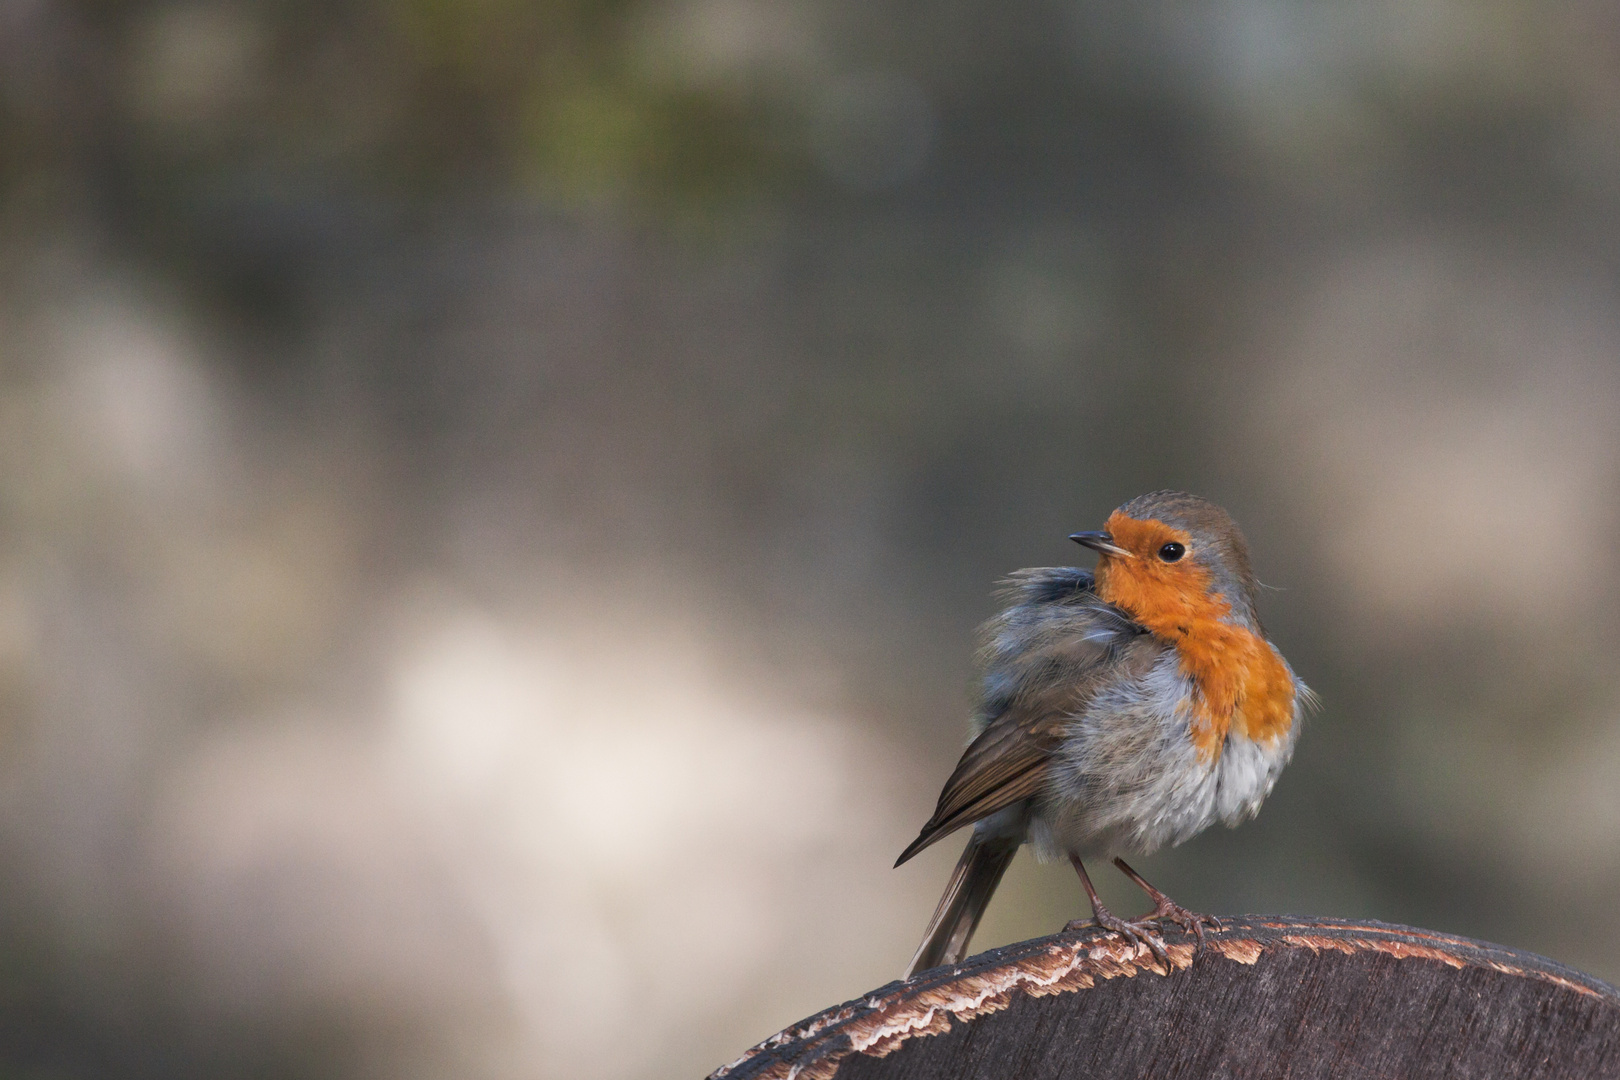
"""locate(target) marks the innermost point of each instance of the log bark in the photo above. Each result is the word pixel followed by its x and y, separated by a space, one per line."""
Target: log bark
pixel 1268 997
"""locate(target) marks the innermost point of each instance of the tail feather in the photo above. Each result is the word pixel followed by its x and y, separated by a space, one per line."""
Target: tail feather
pixel 977 874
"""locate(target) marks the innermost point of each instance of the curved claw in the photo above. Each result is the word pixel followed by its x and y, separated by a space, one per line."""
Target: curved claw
pixel 1134 932
pixel 1191 921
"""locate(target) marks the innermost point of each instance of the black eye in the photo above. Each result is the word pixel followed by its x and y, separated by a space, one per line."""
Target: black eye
pixel 1172 551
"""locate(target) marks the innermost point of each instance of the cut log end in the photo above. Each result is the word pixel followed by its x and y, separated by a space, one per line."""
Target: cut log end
pixel 1268 996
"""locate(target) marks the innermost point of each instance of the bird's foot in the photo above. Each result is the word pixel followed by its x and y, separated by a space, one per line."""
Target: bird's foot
pixel 1137 933
pixel 1166 908
pixel 1192 921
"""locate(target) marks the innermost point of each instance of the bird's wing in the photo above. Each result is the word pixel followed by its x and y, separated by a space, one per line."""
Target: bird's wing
pixel 1044 658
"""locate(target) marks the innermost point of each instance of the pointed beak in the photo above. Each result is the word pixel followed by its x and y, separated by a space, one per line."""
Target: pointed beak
pixel 1100 542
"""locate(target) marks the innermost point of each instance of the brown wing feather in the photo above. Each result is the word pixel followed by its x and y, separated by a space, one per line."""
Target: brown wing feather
pixel 1044 657
pixel 1006 764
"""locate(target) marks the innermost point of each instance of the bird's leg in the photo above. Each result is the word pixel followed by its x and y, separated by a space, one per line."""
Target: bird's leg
pixel 1135 933
pixel 1166 908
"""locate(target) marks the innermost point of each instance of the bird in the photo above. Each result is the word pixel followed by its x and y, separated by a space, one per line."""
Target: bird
pixel 1119 710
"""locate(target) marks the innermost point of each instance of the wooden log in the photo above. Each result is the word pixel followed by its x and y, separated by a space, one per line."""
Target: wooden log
pixel 1268 997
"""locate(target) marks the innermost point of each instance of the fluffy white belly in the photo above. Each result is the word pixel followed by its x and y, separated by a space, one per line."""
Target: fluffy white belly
pixel 1128 779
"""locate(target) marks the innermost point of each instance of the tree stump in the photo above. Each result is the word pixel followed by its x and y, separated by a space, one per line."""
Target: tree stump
pixel 1268 997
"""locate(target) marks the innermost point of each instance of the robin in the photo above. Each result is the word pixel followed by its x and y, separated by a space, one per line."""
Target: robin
pixel 1120 710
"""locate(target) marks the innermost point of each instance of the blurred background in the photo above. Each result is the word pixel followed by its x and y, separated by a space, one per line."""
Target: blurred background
pixel 496 496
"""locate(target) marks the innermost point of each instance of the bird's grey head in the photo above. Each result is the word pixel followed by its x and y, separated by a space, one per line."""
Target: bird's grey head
pixel 1212 541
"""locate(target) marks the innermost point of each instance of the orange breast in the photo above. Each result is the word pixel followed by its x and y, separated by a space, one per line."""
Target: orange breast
pixel 1241 681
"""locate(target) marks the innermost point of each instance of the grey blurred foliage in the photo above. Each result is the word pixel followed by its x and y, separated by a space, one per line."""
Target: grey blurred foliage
pixel 496 496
